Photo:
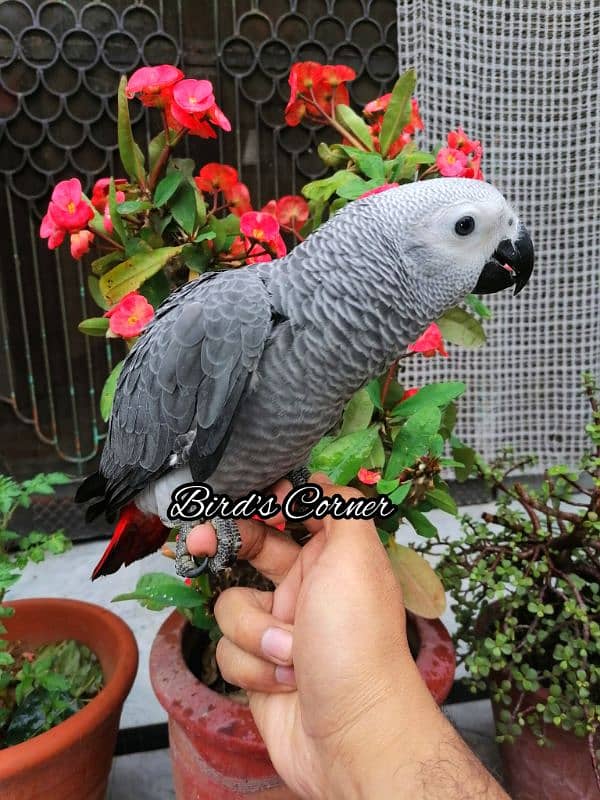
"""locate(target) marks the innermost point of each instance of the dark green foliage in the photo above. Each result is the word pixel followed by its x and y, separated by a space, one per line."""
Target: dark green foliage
pixel 525 585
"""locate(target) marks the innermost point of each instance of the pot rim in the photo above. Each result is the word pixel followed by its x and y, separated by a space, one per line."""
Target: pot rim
pixel 45 745
pixel 436 660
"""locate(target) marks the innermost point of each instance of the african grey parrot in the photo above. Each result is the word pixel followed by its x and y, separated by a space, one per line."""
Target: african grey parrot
pixel 241 372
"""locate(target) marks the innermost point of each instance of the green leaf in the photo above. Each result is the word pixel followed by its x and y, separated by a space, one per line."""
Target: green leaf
pixel 422 591
pixel 355 187
pixel 104 263
pixel 331 155
pixel 358 413
pixel 371 164
pixel 442 500
pixel 399 495
pixel 166 188
pixel 374 391
pixel 320 191
pixel 133 272
pixel 224 229
pixel 133 206
pixel 397 114
pixel 432 394
pixel 128 149
pixel 156 146
pixel 467 458
pixel 342 458
pixel 350 120
pixel 158 590
pixel 108 391
pixel 413 440
pixel 94 289
pixel 156 289
pixel 479 307
pixel 459 327
pixel 420 523
pixel 185 166
pixel 119 227
pixel 94 326
pixel 183 207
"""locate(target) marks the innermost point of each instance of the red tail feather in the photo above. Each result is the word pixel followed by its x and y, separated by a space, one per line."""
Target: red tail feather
pixel 136 535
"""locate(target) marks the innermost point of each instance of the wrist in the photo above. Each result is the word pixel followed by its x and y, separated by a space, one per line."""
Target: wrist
pixel 409 749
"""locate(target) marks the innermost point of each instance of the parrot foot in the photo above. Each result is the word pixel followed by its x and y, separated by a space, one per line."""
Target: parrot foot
pixel 185 564
pixel 299 476
pixel 228 544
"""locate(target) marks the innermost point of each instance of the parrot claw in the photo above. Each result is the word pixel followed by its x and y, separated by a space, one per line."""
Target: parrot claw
pixel 186 566
pixel 228 544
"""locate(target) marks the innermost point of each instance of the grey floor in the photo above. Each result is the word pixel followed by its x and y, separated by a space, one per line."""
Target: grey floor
pixel 147 776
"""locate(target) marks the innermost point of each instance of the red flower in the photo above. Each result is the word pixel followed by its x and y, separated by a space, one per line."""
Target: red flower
pixel 50 230
pixel 187 581
pixel 320 89
pixel 263 228
pixel 100 192
pixel 80 243
pixel 216 177
pixel 130 315
pixel 408 393
pixel 471 154
pixel 67 208
pixel 429 343
pixel 451 163
pixel 377 106
pixel 194 109
pixel 238 199
pixel 218 118
pixel 368 476
pixel 291 211
pixel 378 190
pixel 193 96
pixel 259 226
pixel 154 85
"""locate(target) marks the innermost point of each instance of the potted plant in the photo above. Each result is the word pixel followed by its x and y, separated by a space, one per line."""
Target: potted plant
pixel 65 670
pixel 164 223
pixel 525 586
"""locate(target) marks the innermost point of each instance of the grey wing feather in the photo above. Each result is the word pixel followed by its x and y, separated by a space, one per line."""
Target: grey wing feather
pixel 183 379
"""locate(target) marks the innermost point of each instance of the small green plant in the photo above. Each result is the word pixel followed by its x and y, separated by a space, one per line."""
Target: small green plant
pixel 38 689
pixel 525 586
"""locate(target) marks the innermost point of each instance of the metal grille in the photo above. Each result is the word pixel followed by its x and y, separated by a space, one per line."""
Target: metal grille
pixel 59 69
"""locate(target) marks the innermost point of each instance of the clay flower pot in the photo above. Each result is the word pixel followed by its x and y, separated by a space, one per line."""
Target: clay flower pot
pixel 557 772
pixel 216 749
pixel 72 760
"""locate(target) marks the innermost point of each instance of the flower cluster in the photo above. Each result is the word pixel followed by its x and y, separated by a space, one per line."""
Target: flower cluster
pixel 188 104
pixel 461 158
pixel 68 212
pixel 374 113
pixel 100 199
pixel 315 91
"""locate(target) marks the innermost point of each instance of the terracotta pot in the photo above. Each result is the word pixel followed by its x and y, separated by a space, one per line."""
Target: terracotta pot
pixel 72 760
pixel 216 750
pixel 561 771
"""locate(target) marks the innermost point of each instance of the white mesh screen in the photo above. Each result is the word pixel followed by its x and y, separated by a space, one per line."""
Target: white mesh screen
pixel 523 78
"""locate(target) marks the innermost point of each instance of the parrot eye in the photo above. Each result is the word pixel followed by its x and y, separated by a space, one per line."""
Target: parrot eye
pixel 465 226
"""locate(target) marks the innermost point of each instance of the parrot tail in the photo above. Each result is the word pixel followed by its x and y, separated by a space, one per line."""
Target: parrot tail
pixel 136 535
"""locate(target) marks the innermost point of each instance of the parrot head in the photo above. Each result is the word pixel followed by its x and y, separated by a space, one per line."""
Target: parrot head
pixel 460 235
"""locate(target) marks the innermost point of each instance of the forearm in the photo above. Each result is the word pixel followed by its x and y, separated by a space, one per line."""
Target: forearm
pixel 418 755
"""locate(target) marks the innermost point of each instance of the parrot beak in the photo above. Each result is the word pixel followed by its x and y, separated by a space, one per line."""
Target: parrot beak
pixel 510 265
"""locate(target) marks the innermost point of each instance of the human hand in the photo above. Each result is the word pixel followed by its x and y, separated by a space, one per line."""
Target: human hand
pixel 324 658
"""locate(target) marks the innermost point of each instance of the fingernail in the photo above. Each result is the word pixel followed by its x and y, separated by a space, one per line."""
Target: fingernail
pixel 285 675
pixel 277 644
